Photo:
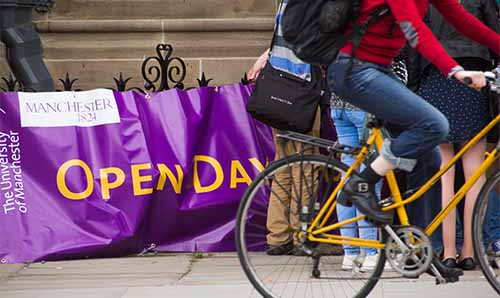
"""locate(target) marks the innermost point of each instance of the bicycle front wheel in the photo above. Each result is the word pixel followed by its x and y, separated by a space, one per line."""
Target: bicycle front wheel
pixel 486 230
pixel 311 179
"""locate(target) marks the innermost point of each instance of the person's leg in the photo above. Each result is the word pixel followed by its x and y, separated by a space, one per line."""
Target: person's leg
pixel 448 190
pixel 491 228
pixel 304 179
pixel 366 230
pixel 493 231
pixel 279 205
pixel 347 134
pixel 422 211
pixel 371 88
pixel 471 162
pixel 491 223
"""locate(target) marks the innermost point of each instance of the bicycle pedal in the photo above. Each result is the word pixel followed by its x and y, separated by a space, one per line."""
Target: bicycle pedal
pixel 447 280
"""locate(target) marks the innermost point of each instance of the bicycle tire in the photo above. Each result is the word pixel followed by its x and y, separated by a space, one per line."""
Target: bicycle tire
pixel 243 253
pixel 478 219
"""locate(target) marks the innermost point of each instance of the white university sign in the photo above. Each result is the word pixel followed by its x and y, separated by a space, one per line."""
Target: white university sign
pixel 56 109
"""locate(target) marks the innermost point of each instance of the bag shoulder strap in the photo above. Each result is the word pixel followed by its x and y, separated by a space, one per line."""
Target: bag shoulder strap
pixel 359 30
pixel 276 27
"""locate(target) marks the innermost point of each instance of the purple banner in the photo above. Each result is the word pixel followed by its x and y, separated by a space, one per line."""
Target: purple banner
pixel 96 175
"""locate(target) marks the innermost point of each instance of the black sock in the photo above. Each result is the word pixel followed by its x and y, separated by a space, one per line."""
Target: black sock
pixel 370 176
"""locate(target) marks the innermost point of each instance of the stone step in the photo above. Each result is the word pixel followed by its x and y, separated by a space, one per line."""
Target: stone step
pixel 95 40
pixel 135 39
pixel 95 51
pixel 146 9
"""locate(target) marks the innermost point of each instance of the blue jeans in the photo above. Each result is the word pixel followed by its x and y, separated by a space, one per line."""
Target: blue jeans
pixel 491 226
pixel 376 89
pixel 416 127
pixel 349 126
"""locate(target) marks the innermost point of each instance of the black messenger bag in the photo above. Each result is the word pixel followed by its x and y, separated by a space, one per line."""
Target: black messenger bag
pixel 284 101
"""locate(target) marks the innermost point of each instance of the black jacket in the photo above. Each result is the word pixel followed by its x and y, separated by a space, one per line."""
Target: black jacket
pixel 454 42
pixel 457 45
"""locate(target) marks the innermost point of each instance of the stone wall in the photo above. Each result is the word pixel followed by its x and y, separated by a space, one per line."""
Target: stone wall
pixel 95 40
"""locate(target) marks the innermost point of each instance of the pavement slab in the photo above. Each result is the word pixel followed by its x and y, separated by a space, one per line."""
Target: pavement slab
pixel 188 275
pixel 97 273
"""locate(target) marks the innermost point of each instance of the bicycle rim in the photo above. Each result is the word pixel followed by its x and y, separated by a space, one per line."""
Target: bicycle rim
pixel 486 230
pixel 289 275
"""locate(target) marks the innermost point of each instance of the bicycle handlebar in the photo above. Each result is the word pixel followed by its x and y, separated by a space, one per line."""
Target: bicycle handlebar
pixel 492 78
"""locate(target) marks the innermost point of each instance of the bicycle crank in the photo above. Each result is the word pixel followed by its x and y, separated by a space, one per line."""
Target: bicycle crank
pixel 408 250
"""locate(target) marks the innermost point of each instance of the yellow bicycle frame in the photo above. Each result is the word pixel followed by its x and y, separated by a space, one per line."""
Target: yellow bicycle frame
pixel 318 232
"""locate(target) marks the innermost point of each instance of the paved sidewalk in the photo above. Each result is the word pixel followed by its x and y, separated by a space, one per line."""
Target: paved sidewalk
pixel 184 276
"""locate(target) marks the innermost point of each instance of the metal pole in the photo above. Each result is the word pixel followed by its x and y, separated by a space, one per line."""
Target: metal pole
pixel 24 47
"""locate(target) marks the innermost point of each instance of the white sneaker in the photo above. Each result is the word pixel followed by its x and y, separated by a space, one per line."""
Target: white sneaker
pixel 370 263
pixel 347 262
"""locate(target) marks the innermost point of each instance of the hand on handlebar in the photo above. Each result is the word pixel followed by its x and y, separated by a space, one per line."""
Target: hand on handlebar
pixel 473 79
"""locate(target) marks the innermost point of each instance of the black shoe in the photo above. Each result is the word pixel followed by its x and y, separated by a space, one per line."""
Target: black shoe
pixel 280 250
pixel 450 262
pixel 299 252
pixel 467 264
pixel 449 274
pixel 362 194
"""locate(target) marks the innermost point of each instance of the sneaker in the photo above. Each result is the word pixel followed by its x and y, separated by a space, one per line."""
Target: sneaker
pixel 362 194
pixel 495 247
pixel 370 263
pixel 347 262
pixel 279 250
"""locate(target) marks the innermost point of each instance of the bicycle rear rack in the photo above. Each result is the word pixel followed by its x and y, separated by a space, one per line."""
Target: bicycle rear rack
pixel 329 145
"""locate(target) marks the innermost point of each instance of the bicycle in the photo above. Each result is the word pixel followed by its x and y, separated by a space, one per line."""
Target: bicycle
pixel 311 200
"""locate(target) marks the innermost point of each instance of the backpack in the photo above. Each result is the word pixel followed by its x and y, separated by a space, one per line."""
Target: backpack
pixel 315 28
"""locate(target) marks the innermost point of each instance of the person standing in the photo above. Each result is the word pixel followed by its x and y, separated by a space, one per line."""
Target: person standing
pixel 349 123
pixel 282 215
pixel 467 111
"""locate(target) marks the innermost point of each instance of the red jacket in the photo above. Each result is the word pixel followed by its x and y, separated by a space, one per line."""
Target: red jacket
pixel 381 46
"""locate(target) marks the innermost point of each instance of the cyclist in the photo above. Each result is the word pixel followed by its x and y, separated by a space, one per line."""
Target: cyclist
pixel 372 86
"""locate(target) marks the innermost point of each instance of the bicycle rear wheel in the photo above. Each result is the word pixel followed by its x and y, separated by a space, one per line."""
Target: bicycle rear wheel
pixel 486 230
pixel 289 275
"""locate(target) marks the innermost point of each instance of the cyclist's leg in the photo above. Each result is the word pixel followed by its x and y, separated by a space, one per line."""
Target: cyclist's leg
pixel 370 87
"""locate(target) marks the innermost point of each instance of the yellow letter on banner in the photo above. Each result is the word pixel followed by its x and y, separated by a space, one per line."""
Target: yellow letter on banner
pixel 137 179
pixel 257 164
pixel 106 185
pixel 166 172
pixel 61 180
pixel 236 168
pixel 219 174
